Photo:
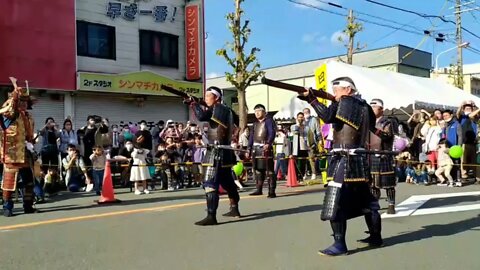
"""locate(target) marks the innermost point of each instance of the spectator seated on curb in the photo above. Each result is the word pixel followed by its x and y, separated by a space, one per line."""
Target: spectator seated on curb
pixel 76 172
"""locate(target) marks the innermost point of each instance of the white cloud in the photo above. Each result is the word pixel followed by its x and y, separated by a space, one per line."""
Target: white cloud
pixel 313 38
pixel 307 2
pixel 311 3
pixel 334 38
pixel 309 37
pixel 213 75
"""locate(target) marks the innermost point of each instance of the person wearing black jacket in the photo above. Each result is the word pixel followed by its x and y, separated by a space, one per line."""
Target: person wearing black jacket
pixel 147 141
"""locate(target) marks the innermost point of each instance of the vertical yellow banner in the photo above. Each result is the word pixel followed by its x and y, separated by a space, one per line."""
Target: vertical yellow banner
pixel 321 81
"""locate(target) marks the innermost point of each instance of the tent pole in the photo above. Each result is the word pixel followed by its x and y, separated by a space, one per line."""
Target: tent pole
pixel 405 112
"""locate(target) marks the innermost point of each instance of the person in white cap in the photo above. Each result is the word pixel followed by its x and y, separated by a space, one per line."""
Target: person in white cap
pixel 218 172
pixel 383 166
pixel 348 192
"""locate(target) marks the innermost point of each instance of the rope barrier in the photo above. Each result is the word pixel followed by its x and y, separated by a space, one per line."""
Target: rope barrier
pixel 315 158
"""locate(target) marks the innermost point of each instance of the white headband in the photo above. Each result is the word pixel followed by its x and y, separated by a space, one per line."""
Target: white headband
pixel 344 84
pixel 215 92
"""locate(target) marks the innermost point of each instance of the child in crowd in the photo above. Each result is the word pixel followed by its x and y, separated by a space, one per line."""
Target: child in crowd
pixel 198 155
pixel 98 159
pixel 417 174
pixel 139 173
pixel 282 151
pixel 167 154
pixel 180 169
pixel 403 162
pixel 188 158
pixel 51 186
pixel 445 165
pixel 430 169
pixel 164 169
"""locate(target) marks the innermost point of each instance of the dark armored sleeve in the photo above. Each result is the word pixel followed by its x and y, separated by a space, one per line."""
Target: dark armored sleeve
pixel 327 114
pixel 236 119
pixel 271 130
pixel 386 132
pixel 201 114
pixel 250 138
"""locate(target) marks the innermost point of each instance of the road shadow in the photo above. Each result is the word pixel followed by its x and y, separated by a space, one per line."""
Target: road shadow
pixel 300 192
pixel 144 200
pixel 165 197
pixel 450 201
pixel 277 213
pixel 429 231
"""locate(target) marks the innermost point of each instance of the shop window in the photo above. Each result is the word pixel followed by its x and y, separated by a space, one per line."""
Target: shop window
pixel 95 40
pixel 158 49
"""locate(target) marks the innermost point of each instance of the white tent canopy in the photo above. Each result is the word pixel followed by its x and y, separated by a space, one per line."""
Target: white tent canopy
pixel 396 89
pixel 291 109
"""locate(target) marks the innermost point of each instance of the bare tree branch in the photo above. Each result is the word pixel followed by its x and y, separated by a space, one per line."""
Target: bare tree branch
pixel 245 67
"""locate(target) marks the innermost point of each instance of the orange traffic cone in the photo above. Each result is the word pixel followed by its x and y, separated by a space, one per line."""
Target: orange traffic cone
pixel 292 174
pixel 108 195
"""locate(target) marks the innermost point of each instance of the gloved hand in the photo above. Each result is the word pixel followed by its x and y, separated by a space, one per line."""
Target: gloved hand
pixel 190 100
pixel 307 96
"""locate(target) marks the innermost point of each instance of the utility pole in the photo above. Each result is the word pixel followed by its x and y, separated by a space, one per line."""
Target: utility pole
pixel 458 37
pixel 351 37
pixel 350 31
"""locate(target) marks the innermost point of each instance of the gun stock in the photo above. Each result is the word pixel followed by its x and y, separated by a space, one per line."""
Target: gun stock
pixel 181 94
pixel 296 88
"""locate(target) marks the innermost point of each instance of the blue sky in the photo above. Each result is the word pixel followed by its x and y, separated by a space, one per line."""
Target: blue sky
pixel 288 33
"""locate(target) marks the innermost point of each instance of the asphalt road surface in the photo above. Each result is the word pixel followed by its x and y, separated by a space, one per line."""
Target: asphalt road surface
pixel 156 231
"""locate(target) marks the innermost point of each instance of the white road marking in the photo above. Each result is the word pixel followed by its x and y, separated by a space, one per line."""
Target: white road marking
pixel 447 209
pixel 410 206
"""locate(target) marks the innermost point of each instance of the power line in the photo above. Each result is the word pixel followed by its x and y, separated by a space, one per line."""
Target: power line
pixel 360 19
pixel 422 15
pixel 375 23
pixel 370 15
pixel 406 10
pixel 392 32
pixel 425 37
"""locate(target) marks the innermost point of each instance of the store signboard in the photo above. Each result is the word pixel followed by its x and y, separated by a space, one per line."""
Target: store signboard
pixel 141 83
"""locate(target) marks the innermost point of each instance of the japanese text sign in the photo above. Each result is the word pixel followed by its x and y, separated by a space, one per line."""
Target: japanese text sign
pixel 130 11
pixel 143 82
pixel 192 42
pixel 321 80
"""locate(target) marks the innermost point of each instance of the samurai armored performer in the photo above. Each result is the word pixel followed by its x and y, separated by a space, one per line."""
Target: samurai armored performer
pixel 16 149
pixel 348 192
pixel 260 144
pixel 382 168
pixel 218 160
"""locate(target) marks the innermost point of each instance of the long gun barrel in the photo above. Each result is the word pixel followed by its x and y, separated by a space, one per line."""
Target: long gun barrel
pixel 181 94
pixel 296 88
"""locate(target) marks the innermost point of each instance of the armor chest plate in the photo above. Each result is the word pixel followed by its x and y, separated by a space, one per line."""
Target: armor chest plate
pixel 347 135
pixel 259 132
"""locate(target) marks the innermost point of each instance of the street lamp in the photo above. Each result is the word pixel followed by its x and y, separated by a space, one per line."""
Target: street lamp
pixel 463 45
